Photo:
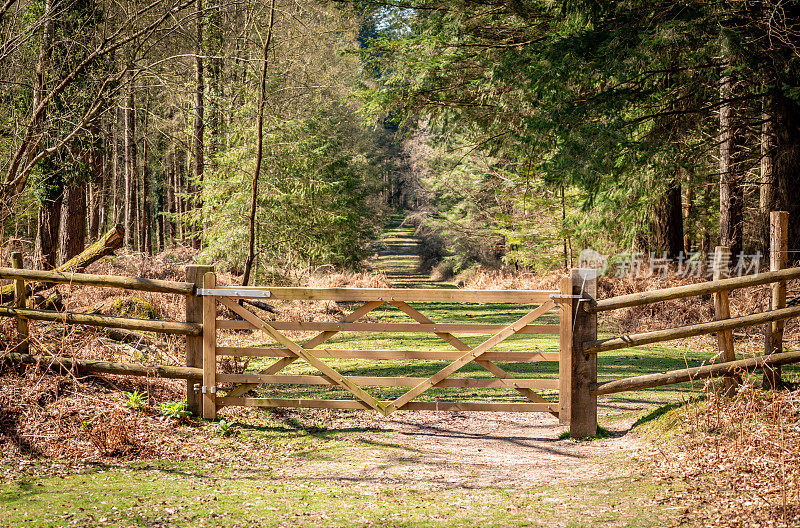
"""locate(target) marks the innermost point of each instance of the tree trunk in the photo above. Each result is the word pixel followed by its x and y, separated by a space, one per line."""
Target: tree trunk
pixel 199 124
pixel 130 167
pixel 786 165
pixel 50 204
pixel 688 213
pixel 97 186
pixel 262 101
pixel 117 203
pixel 730 191
pixel 666 225
pixel 72 232
pixel 766 190
pixel 146 231
pixel 47 233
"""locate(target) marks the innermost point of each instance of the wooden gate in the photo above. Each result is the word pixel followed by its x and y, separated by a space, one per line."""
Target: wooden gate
pixel 288 351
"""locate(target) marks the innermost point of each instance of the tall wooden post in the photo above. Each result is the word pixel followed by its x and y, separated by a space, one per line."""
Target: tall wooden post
pixel 565 351
pixel 209 349
pixel 194 345
pixel 20 301
pixel 583 406
pixel 778 257
pixel 722 310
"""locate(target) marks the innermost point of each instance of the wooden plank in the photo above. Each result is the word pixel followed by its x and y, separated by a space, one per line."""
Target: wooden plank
pixel 722 310
pixel 408 295
pixel 311 343
pixel 392 381
pixel 583 404
pixel 412 406
pixel 340 380
pixel 20 301
pixel 315 326
pixel 565 353
pixel 506 377
pixel 106 281
pixel 778 243
pixel 194 344
pixel 658 336
pixel 432 355
pixel 469 356
pixel 209 396
pixel 692 290
pixel 706 371
pixel 126 323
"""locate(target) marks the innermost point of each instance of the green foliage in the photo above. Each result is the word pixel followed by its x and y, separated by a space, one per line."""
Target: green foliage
pixel 602 433
pixel 612 102
pixel 176 410
pixel 134 400
pixel 321 175
pixel 225 428
pixel 136 307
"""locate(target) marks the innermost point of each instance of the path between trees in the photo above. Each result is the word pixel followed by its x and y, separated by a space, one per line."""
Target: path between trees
pixel 517 450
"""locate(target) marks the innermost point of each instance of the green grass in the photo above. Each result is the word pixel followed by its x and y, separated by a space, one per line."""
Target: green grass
pixel 184 494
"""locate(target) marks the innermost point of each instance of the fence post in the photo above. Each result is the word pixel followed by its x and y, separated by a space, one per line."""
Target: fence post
pixel 20 301
pixel 565 352
pixel 722 310
pixel 194 345
pixel 778 253
pixel 583 406
pixel 210 349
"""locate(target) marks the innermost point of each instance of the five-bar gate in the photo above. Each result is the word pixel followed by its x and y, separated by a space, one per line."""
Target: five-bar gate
pixel 287 351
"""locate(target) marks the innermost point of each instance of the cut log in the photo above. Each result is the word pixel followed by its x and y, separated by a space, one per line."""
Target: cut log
pixel 107 321
pixel 108 367
pixel 109 243
pixel 129 337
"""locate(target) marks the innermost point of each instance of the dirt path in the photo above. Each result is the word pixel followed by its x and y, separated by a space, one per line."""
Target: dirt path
pixel 483 448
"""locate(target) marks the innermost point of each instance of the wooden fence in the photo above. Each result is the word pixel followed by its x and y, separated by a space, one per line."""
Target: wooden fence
pixel 585 424
pixel 26 281
pixel 575 302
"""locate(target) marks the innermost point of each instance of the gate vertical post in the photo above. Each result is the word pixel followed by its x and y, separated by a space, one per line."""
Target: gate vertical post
pixel 778 258
pixel 209 349
pixel 583 405
pixel 722 310
pixel 565 351
pixel 20 301
pixel 194 344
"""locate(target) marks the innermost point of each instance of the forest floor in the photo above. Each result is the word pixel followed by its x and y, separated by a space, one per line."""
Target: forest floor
pixel 354 468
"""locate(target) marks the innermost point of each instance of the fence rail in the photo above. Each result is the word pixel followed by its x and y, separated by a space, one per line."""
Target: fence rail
pixel 106 281
pixel 691 290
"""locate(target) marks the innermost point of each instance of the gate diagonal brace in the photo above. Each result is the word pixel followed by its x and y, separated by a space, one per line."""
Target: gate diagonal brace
pixel 472 355
pixel 458 344
pixel 301 352
pixel 314 342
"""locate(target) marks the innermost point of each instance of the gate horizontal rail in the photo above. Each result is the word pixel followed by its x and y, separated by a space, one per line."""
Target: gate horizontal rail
pixel 312 326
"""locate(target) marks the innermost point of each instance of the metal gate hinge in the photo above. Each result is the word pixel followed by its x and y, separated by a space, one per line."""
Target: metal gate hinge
pixel 563 296
pixel 212 389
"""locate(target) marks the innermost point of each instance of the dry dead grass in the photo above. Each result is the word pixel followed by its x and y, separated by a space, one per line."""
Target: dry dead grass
pixel 666 314
pixel 738 460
